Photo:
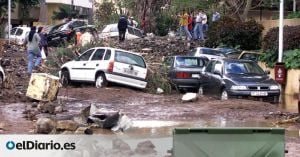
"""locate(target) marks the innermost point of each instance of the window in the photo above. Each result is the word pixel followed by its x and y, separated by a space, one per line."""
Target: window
pixel 19 32
pixel 13 31
pixel 129 58
pixel 98 55
pixel 107 55
pixel 217 67
pixel 130 30
pixel 211 52
pixel 243 68
pixel 250 56
pixel 189 62
pixel 210 66
pixel 86 55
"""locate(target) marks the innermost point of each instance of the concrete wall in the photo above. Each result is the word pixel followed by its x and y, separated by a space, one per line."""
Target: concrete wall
pixel 292 82
pixel 268 24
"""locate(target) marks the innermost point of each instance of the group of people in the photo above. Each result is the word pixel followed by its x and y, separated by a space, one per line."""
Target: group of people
pixel 195 25
pixel 123 24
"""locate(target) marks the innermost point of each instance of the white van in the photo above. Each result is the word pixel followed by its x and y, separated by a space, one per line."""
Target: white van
pixel 111 31
pixel 18 34
pixel 102 65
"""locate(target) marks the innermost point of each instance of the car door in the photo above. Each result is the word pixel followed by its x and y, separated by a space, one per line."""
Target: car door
pixel 95 63
pixel 216 78
pixel 206 78
pixel 13 34
pixel 129 68
pixel 79 67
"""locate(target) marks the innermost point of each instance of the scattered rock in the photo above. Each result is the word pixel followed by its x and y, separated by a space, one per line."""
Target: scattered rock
pixel 46 107
pixel 145 148
pixel 189 97
pixel 84 130
pixel 121 147
pixel 68 125
pixel 67 132
pixel 159 91
pixel 124 123
pixel 45 126
pixel 58 109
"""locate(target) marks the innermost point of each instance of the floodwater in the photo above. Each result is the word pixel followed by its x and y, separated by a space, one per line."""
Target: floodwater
pixel 289 103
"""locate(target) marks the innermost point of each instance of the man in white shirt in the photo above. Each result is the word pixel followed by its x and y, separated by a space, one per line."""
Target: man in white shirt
pixel 198 30
pixel 204 24
pixel 86 38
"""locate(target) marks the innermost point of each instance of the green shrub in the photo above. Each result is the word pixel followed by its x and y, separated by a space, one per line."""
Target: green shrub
pixel 164 22
pixel 291 39
pixel 269 57
pixel 292 59
pixel 293 15
pixel 233 33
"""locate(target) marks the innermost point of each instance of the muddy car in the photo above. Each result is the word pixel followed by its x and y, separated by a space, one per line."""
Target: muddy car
pixel 227 78
pixel 209 53
pixel 2 76
pixel 184 71
pixel 102 65
pixel 111 31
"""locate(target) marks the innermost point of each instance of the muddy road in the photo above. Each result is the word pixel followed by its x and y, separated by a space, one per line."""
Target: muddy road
pixel 156 115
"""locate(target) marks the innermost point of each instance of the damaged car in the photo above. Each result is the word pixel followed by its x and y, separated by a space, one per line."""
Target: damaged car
pixel 111 31
pixel 226 78
pixel 184 71
pixel 102 65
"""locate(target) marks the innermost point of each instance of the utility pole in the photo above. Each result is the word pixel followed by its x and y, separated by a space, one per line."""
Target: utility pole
pixel 9 20
pixel 281 14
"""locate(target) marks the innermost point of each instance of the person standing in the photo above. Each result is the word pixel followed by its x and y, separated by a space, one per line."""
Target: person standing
pixel 204 24
pixel 33 51
pixel 43 42
pixel 86 38
pixel 184 22
pixel 122 26
pixel 190 26
pixel 198 30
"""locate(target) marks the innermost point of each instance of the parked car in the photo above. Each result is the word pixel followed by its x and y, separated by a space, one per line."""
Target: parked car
pixel 60 33
pixel 102 65
pixel 209 53
pixel 227 78
pixel 229 52
pixel 2 76
pixel 111 31
pixel 250 55
pixel 184 71
pixel 18 34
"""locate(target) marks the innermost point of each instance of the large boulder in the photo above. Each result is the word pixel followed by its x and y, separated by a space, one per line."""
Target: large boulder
pixel 68 125
pixel 45 126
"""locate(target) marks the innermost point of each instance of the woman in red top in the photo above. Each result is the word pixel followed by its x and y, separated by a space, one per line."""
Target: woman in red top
pixel 190 21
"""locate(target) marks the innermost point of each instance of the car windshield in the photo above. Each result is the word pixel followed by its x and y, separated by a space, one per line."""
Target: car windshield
pixel 190 62
pixel 243 68
pixel 129 58
pixel 211 52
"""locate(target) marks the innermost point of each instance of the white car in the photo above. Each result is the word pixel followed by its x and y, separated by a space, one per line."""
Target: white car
pixel 104 64
pixel 206 52
pixel 111 31
pixel 18 34
pixel 2 76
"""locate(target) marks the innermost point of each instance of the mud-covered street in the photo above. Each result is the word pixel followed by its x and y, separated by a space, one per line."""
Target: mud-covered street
pixel 156 115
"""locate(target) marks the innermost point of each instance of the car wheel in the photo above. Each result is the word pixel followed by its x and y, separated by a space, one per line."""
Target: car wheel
pixel 200 90
pixel 65 78
pixel 224 95
pixel 101 81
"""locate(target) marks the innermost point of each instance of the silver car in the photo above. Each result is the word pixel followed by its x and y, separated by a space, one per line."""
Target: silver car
pixel 209 53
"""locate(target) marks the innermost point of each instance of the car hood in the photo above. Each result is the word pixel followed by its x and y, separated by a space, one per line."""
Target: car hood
pixel 251 79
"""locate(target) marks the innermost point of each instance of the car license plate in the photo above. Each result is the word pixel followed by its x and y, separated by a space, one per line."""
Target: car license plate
pixel 195 76
pixel 130 72
pixel 259 93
